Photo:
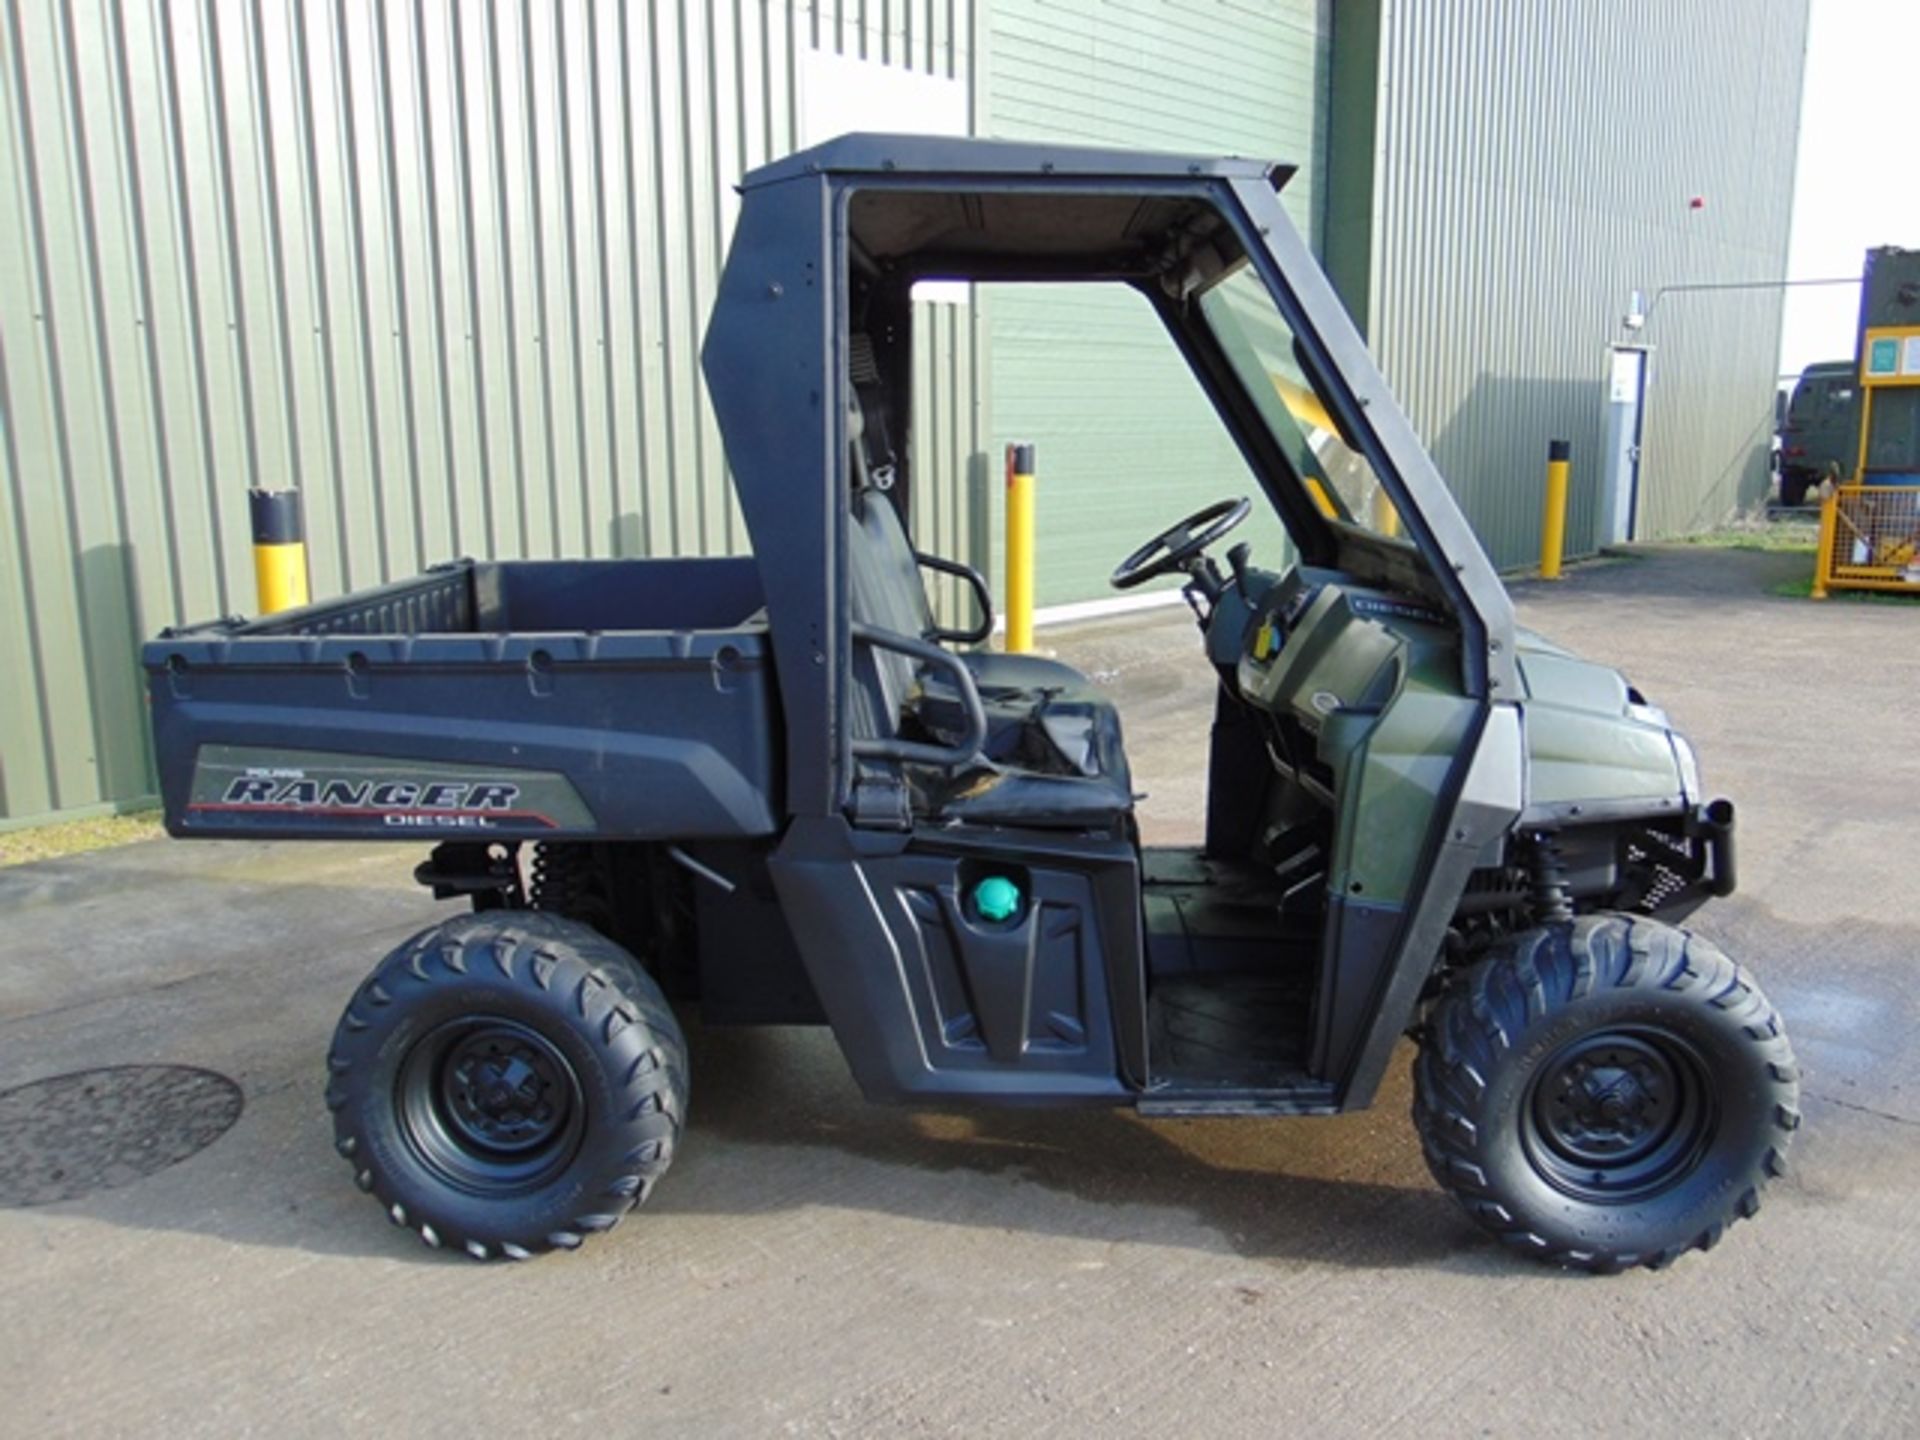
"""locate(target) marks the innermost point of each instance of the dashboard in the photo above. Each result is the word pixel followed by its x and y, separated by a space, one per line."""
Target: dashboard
pixel 1316 652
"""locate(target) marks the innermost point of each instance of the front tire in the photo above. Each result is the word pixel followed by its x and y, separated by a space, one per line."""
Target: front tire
pixel 507 1083
pixel 1605 1094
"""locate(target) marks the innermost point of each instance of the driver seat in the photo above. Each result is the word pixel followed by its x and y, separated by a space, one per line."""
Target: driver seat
pixel 1053 756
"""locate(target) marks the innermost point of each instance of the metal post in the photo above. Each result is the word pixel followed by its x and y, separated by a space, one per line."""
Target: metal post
pixel 1553 525
pixel 1823 553
pixel 1859 476
pixel 1020 484
pixel 279 549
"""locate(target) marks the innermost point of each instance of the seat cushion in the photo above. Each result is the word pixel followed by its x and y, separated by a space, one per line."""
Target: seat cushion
pixel 993 796
pixel 1061 765
pixel 1049 727
pixel 1023 672
pixel 1054 756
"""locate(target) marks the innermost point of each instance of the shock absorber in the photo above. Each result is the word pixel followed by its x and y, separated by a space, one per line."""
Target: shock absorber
pixel 1552 897
pixel 561 878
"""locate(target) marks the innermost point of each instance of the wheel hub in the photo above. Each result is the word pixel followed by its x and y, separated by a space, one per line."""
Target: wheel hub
pixel 501 1090
pixel 1610 1103
pixel 491 1104
pixel 1619 1114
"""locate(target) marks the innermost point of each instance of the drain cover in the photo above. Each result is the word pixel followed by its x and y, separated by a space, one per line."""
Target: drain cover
pixel 71 1135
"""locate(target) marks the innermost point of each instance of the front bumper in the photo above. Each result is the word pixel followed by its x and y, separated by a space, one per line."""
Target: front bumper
pixel 1711 826
pixel 1671 872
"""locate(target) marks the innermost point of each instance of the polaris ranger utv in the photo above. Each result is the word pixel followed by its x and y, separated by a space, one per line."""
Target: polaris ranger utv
pixel 778 786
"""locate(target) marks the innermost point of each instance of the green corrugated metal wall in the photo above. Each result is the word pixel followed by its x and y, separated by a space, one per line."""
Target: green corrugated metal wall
pixel 1127 442
pixel 444 266
pixel 1534 165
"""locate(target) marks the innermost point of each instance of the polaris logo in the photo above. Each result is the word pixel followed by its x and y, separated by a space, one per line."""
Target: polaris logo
pixel 295 791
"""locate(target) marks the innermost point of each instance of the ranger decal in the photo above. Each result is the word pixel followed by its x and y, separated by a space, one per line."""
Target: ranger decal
pixel 300 791
pixel 255 788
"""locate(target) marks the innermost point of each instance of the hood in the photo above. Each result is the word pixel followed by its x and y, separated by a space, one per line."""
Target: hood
pixel 1595 747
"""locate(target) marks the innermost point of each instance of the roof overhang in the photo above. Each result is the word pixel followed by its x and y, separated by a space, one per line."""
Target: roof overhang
pixel 951 158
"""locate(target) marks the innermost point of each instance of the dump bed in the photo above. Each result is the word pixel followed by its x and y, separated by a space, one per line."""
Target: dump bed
pixel 623 699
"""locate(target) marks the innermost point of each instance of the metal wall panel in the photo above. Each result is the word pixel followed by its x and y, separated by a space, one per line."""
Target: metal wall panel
pixel 1534 165
pixel 444 266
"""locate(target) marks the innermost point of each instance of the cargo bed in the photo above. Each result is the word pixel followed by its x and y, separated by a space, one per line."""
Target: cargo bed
pixel 621 699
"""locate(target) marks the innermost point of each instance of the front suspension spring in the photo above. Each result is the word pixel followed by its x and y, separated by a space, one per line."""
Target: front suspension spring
pixel 1552 896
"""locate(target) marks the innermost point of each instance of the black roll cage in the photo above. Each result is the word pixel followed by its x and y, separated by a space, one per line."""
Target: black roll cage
pixel 787 374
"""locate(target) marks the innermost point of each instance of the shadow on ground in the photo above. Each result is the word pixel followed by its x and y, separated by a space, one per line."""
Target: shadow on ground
pixel 1349 1191
pixel 1676 572
pixel 778 1124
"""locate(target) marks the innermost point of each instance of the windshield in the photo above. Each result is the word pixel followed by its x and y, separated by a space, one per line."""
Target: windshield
pixel 1260 346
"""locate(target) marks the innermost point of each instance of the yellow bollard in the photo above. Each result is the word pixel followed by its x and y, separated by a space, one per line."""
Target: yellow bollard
pixel 279 549
pixel 1553 525
pixel 1823 554
pixel 1020 484
pixel 1320 497
pixel 1386 519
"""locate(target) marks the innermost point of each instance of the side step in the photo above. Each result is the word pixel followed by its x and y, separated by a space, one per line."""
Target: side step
pixel 1311 1099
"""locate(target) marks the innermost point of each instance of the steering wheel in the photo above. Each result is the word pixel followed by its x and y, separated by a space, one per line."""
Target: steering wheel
pixel 1173 547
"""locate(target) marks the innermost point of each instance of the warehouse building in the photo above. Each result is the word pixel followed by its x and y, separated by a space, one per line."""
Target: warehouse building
pixel 444 268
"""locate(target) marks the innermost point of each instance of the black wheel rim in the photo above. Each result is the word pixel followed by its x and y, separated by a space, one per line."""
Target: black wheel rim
pixel 1619 1115
pixel 490 1105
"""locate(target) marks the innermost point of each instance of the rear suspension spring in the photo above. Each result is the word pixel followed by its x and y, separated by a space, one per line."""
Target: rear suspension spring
pixel 562 878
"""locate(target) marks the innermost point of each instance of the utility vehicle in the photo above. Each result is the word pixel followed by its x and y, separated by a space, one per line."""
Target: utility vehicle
pixel 779 786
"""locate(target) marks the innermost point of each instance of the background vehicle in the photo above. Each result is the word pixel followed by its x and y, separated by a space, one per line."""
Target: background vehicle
pixel 774 785
pixel 1820 434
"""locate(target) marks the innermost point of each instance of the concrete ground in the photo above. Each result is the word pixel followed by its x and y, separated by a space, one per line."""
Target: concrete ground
pixel 818 1266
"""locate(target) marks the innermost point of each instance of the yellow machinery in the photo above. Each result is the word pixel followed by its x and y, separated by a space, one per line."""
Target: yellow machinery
pixel 1869 540
pixel 1870 528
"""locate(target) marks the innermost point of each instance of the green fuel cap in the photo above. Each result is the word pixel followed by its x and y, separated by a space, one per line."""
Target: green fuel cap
pixel 996 898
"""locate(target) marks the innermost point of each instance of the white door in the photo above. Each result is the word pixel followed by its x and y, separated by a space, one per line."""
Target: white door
pixel 1626 400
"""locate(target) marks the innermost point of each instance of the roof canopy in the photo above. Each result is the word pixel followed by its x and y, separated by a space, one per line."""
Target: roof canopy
pixel 950 158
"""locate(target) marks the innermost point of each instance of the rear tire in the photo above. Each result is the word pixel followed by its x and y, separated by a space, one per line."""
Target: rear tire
pixel 1605 1094
pixel 507 1083
pixel 1794 485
